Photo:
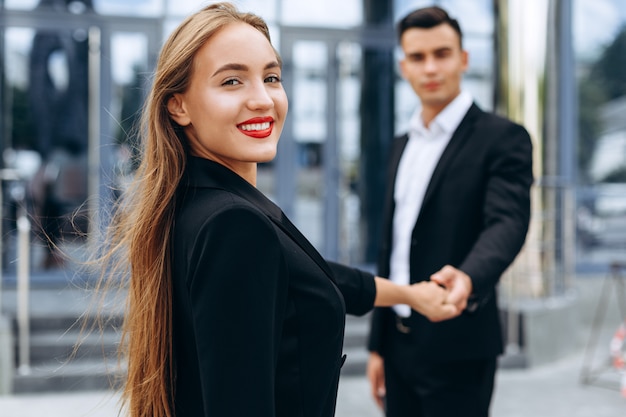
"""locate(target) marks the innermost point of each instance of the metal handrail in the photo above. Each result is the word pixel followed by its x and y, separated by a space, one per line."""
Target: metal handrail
pixel 23 275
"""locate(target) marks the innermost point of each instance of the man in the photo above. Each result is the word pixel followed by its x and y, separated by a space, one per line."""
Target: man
pixel 456 212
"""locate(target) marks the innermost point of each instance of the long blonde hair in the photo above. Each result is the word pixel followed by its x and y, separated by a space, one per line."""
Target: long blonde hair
pixel 142 223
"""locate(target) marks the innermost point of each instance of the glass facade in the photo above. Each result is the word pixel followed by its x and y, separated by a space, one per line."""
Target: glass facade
pixel 344 87
pixel 600 161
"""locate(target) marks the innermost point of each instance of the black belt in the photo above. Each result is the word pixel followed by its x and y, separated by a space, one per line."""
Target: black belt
pixel 402 324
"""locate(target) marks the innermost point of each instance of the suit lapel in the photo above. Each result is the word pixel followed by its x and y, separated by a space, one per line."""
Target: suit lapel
pixel 458 139
pixel 389 202
pixel 292 231
pixel 205 173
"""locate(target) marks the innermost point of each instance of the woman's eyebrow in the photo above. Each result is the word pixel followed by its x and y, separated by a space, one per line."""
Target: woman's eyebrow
pixel 243 67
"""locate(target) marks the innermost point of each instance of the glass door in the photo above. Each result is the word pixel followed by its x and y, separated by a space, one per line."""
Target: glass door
pixel 71 92
pixel 320 161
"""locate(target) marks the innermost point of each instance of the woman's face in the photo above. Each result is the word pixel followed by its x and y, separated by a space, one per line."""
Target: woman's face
pixel 235 107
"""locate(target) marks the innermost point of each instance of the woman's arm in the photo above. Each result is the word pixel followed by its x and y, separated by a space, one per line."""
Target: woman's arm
pixel 238 295
pixel 427 298
pixel 362 291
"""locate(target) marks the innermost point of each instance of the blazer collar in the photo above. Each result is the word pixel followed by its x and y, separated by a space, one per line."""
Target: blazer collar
pixel 204 173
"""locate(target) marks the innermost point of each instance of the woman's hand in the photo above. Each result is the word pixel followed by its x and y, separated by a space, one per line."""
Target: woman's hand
pixel 431 300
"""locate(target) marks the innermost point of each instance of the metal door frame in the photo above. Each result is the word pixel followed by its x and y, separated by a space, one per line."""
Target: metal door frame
pixel 372 37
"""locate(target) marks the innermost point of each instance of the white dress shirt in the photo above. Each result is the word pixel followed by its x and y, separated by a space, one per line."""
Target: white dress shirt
pixel 417 163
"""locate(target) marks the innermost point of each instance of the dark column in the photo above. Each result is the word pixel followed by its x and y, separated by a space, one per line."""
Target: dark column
pixel 377 124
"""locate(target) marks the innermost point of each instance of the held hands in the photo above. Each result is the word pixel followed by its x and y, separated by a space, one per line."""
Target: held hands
pixel 444 296
pixel 457 282
pixel 432 301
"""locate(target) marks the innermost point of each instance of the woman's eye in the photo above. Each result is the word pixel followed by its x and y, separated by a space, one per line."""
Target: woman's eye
pixel 231 81
pixel 273 79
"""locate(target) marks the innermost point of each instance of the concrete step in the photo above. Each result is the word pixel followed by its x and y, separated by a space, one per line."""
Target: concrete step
pixel 64 356
pixel 70 322
pixel 72 376
pixel 50 344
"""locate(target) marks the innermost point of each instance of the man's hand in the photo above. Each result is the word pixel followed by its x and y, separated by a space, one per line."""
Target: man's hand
pixel 376 376
pixel 457 282
pixel 431 300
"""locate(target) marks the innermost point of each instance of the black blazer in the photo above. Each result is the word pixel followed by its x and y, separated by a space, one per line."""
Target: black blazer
pixel 258 314
pixel 474 216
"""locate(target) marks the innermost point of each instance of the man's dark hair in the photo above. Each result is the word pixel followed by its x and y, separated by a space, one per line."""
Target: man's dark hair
pixel 426 18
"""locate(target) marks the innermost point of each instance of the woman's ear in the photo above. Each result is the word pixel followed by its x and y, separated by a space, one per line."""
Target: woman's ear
pixel 176 109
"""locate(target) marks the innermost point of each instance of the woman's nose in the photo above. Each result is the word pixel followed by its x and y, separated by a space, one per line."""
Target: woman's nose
pixel 260 98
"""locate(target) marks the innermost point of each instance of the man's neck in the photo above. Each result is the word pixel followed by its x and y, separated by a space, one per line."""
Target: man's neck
pixel 429 113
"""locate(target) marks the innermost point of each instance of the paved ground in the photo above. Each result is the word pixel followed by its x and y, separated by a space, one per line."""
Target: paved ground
pixel 552 390
pixel 548 391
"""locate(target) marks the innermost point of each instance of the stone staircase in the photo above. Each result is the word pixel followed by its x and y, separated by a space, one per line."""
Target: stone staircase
pixel 62 356
pixel 58 363
pixel 65 358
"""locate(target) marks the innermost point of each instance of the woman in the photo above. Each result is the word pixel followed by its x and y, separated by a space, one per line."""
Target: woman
pixel 230 311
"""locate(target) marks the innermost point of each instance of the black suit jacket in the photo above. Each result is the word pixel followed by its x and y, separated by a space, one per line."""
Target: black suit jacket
pixel 258 314
pixel 474 216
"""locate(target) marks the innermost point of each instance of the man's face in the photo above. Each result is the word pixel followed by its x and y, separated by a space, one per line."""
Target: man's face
pixel 433 64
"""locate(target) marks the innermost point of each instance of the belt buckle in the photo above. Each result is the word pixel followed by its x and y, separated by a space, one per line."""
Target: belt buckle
pixel 402 328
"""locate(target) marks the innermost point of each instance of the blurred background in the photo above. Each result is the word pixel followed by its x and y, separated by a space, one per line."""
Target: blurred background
pixel 73 76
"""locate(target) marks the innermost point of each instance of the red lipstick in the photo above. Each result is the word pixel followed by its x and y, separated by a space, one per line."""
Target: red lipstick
pixel 257 127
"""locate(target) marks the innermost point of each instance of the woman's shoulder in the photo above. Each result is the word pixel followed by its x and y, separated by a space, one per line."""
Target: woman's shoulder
pixel 206 205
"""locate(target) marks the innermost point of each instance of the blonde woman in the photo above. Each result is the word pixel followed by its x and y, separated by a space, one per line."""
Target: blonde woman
pixel 231 311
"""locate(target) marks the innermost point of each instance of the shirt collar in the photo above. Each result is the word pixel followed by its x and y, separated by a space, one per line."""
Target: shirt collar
pixel 447 120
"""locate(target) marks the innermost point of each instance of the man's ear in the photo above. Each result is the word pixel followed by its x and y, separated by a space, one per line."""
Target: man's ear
pixel 177 111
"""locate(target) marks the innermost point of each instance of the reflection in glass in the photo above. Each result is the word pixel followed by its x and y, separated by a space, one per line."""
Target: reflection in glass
pixel 46 98
pixel 601 158
pixel 349 57
pixel 129 64
pixel 307 108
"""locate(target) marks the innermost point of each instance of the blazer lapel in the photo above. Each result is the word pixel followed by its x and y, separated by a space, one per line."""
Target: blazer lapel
pixel 292 231
pixel 205 173
pixel 457 141
pixel 389 202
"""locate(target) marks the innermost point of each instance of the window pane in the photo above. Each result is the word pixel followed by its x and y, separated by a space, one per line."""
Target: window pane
pixel 107 7
pixel 403 7
pixel 129 64
pixel 475 17
pixel 45 137
pixel 600 46
pixel 264 8
pixel 327 13
pixel 129 7
pixel 20 4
